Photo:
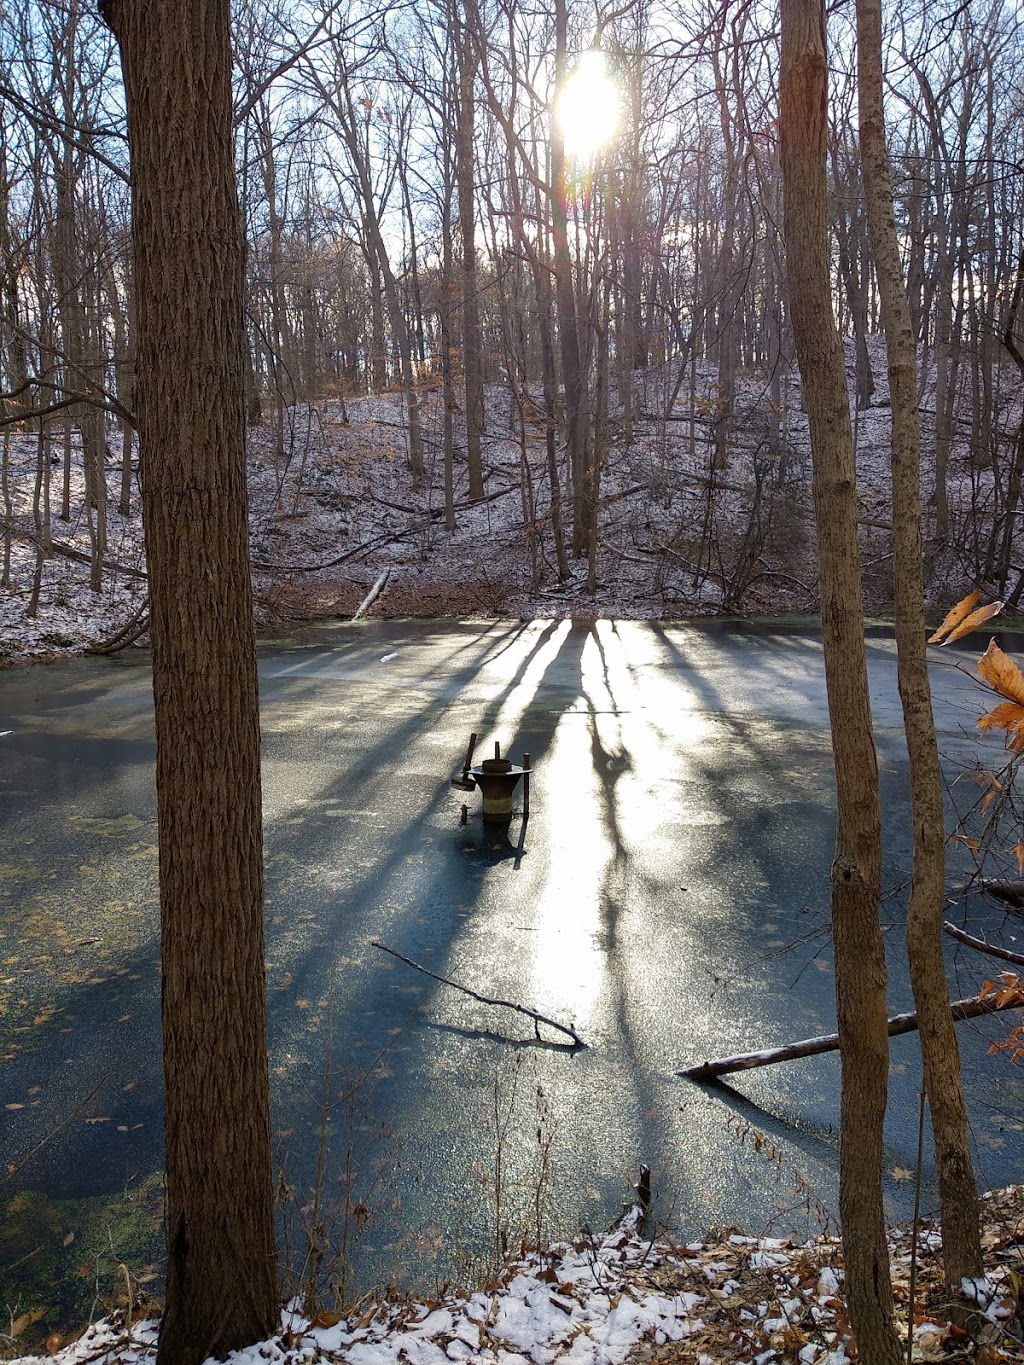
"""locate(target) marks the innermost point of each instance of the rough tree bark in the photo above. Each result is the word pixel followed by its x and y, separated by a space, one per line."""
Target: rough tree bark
pixel 573 377
pixel 188 247
pixel 961 1242
pixel 856 870
pixel 472 344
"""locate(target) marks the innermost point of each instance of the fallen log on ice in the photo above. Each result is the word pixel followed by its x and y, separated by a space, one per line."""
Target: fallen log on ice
pixel 983 945
pixel 1009 892
pixel 829 1042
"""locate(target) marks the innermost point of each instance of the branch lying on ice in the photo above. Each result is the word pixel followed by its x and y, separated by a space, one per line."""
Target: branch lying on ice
pixel 486 999
pixel 829 1042
pixel 982 945
pixel 1011 892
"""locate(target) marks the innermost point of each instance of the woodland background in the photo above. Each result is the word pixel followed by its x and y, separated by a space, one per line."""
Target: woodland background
pixel 534 384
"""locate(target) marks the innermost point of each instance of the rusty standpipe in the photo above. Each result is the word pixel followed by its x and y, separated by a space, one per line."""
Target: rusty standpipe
pixel 497 779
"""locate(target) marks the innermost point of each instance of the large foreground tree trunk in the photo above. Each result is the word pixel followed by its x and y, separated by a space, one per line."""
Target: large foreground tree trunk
pixel 961 1242
pixel 856 870
pixel 187 239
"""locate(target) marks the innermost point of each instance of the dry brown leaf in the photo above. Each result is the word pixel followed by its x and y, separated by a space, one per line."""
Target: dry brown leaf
pixel 1000 672
pixel 972 622
pixel 326 1320
pixel 25 1320
pixel 956 614
pixel 1006 716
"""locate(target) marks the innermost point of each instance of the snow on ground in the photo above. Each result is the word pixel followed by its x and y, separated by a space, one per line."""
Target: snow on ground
pixel 70 615
pixel 624 1298
pixel 333 506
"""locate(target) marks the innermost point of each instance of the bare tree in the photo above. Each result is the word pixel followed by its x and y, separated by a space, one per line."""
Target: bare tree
pixel 188 249
pixel 961 1242
pixel 856 870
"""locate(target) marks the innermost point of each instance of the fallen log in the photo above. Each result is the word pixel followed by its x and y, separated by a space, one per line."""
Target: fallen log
pixel 829 1042
pixel 486 999
pixel 372 595
pixel 133 629
pixel 379 541
pixel 58 547
pixel 1011 892
pixel 983 945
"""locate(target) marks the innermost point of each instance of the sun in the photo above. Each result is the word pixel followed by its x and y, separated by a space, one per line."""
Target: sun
pixel 588 106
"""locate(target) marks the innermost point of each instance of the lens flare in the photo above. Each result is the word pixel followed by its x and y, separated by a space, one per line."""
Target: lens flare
pixel 588 106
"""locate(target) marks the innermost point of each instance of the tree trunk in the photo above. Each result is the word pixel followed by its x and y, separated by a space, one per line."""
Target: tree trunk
pixel 856 870
pixel 188 246
pixel 573 379
pixel 472 352
pixel 961 1244
pixel 444 320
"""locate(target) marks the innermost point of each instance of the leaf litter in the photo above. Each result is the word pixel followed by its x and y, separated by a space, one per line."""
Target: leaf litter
pixel 625 1299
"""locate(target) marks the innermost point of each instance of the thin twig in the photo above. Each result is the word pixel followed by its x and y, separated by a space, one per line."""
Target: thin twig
pixel 12 1171
pixel 484 999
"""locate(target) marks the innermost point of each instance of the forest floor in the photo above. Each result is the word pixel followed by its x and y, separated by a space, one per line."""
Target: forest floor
pixel 333 507
pixel 629 1299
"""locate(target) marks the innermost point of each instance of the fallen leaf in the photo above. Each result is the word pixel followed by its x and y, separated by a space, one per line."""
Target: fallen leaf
pixel 26 1320
pixel 901 1173
pixel 69 1239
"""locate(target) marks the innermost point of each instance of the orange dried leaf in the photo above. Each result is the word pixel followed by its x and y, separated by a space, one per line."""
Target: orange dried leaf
pixel 1000 672
pixel 971 843
pixel 1008 716
pixel 1018 853
pixel 956 614
pixel 972 622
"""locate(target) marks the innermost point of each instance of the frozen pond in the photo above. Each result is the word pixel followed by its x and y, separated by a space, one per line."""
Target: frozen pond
pixel 670 900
